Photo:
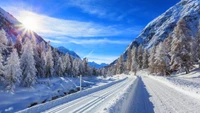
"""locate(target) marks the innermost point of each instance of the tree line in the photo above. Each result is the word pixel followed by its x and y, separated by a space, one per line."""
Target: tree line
pixel 22 63
pixel 176 53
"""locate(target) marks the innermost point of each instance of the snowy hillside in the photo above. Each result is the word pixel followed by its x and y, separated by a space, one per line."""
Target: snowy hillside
pixel 160 28
pixel 65 50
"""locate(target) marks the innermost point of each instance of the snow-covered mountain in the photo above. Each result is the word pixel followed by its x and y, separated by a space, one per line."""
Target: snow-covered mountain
pixel 65 50
pixel 95 65
pixel 162 26
pixel 14 28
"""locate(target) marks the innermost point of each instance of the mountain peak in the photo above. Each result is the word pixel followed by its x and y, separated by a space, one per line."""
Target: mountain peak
pixel 65 50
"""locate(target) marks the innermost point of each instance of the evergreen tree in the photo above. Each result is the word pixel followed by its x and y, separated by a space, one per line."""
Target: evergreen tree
pixel 145 61
pixel 129 59
pixel 28 64
pixel 13 72
pixel 3 40
pixel 139 56
pixel 120 65
pixel 49 62
pixel 134 65
pixel 198 47
pixel 152 59
pixel 181 48
pixel 162 59
pixel 1 68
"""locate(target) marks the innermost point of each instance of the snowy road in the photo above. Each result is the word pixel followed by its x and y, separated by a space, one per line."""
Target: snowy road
pixel 166 99
pixel 94 102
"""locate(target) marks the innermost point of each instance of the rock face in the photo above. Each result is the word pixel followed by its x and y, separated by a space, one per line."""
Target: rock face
pixel 160 28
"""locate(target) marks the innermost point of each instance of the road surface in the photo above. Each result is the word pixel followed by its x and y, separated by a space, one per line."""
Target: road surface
pixel 94 102
pixel 147 95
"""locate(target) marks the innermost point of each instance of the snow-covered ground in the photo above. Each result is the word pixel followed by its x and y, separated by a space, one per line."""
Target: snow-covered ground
pixel 118 94
pixel 96 99
pixel 46 90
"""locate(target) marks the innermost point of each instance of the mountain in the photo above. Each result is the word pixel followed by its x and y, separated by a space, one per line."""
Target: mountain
pixel 14 29
pixel 65 50
pixel 162 26
pixel 95 65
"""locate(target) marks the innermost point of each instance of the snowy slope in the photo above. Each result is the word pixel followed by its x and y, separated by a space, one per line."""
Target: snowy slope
pixel 160 28
pixel 65 50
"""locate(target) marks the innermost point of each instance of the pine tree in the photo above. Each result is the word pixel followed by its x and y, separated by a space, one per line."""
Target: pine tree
pixel 139 56
pixel 162 59
pixel 134 65
pixel 18 44
pixel 56 63
pixel 198 47
pixel 120 65
pixel 181 48
pixel 1 68
pixel 152 59
pixel 68 64
pixel 145 57
pixel 13 72
pixel 85 65
pixel 3 40
pixel 28 64
pixel 41 67
pixel 129 59
pixel 49 62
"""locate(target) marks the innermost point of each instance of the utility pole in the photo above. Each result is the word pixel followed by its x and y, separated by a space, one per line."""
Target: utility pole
pixel 80 82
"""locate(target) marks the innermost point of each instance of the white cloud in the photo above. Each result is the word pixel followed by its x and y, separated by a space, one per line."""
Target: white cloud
pixel 83 41
pixel 54 27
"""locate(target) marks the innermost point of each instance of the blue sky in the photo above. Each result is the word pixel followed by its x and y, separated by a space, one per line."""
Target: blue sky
pixel 100 30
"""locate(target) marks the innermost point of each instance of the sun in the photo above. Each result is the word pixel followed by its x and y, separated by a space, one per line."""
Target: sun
pixel 30 23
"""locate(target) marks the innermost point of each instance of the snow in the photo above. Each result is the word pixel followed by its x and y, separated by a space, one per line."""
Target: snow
pixel 188 84
pixel 159 28
pixel 46 89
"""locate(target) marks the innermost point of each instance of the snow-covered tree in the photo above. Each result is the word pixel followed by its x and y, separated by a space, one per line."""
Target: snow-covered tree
pixel 1 68
pixel 13 72
pixel 152 59
pixel 18 44
pixel 27 63
pixel 49 62
pixel 85 66
pixel 129 59
pixel 139 56
pixel 162 59
pixel 3 40
pixel 76 66
pixel 68 64
pixel 145 60
pixel 120 68
pixel 181 48
pixel 198 46
pixel 134 65
pixel 41 57
pixel 56 62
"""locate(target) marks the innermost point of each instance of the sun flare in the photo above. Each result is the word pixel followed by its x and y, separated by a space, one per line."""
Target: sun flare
pixel 30 23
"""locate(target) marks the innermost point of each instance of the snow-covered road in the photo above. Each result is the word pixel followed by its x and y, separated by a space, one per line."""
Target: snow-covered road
pixel 167 99
pixel 94 102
